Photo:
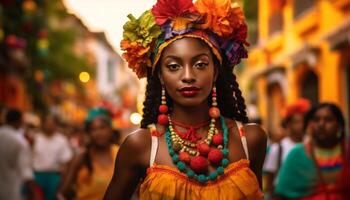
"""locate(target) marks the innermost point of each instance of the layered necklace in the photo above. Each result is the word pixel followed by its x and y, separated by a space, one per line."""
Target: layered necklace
pixel 193 159
pixel 190 156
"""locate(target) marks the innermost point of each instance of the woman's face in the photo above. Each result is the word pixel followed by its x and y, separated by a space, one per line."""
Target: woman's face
pixel 100 132
pixel 187 71
pixel 325 126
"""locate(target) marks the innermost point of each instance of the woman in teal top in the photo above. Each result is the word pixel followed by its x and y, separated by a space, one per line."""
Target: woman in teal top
pixel 318 168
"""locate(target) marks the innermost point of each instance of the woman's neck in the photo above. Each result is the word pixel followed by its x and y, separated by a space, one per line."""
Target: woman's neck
pixel 330 144
pixel 191 115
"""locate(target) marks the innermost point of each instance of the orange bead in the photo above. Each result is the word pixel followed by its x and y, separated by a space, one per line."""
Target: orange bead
pixel 214 112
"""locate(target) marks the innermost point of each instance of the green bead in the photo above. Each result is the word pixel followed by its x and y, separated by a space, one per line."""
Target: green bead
pixel 181 166
pixel 213 176
pixel 224 162
pixel 172 153
pixel 225 152
pixel 175 158
pixel 190 173
pixel 202 178
pixel 220 170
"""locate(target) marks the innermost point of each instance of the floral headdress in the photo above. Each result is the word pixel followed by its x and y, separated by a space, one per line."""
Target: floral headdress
pixel 219 23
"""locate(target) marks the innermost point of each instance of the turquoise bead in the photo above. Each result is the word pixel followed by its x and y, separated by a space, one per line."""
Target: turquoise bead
pixel 224 162
pixel 225 152
pixel 175 158
pixel 171 152
pixel 190 173
pixel 213 176
pixel 220 170
pixel 202 178
pixel 181 166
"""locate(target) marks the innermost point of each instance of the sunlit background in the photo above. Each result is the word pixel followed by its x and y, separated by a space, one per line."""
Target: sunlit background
pixel 63 57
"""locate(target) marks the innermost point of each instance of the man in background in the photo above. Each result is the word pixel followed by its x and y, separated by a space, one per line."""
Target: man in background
pixel 15 163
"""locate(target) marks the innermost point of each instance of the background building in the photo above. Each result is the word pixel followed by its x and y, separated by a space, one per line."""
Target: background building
pixel 302 50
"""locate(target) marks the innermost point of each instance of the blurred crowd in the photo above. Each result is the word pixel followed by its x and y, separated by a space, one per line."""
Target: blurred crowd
pixel 308 154
pixel 44 159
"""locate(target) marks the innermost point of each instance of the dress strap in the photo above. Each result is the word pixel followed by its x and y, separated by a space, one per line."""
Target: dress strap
pixel 154 149
pixel 243 139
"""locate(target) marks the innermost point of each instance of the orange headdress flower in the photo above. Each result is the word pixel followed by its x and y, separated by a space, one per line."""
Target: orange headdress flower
pixel 221 18
pixel 136 56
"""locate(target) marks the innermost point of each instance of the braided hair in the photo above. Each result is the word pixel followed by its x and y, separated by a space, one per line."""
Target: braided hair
pixel 229 96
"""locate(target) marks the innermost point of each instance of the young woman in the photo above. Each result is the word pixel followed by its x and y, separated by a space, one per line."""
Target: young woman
pixel 318 169
pixel 193 142
pixel 91 171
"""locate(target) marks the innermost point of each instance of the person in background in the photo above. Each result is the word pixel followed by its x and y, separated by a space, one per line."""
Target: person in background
pixel 51 153
pixel 91 171
pixel 15 159
pixel 319 168
pixel 293 125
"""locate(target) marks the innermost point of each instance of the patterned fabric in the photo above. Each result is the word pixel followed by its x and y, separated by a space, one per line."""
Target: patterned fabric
pixel 330 163
pixel 168 183
pixel 298 177
pixel 93 186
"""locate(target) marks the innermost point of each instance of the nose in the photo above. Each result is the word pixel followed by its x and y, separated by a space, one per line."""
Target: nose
pixel 188 75
pixel 320 123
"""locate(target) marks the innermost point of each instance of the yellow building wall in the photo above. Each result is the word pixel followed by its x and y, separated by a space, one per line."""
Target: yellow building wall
pixel 309 29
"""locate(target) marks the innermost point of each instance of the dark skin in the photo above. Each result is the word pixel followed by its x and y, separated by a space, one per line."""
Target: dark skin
pixel 325 128
pixel 295 127
pixel 185 62
pixel 101 135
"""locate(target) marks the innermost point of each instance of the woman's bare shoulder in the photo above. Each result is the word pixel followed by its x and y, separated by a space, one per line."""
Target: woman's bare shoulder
pixel 256 137
pixel 255 134
pixel 137 144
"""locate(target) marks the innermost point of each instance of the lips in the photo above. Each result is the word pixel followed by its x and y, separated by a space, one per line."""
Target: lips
pixel 189 91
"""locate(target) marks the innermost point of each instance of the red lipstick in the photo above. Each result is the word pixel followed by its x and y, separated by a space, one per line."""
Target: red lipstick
pixel 189 91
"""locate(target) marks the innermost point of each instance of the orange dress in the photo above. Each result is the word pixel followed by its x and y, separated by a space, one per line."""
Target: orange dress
pixel 93 187
pixel 168 183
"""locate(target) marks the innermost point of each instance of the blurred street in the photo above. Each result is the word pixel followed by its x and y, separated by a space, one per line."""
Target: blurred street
pixel 59 60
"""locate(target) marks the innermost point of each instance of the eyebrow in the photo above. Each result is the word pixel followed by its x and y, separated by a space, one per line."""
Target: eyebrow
pixel 193 58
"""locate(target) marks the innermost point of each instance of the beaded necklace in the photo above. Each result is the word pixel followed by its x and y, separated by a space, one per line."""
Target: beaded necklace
pixel 200 175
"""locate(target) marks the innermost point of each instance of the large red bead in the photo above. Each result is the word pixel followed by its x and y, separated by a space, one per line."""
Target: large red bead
pixel 217 139
pixel 203 148
pixel 199 164
pixel 163 109
pixel 185 157
pixel 214 112
pixel 215 156
pixel 163 119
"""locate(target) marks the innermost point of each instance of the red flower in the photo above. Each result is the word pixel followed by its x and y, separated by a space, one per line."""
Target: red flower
pixel 169 9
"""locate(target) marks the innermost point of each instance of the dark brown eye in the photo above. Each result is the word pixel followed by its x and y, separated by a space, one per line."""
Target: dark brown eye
pixel 173 67
pixel 201 65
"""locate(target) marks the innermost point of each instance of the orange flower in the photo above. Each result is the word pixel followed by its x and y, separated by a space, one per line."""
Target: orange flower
pixel 136 56
pixel 221 18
